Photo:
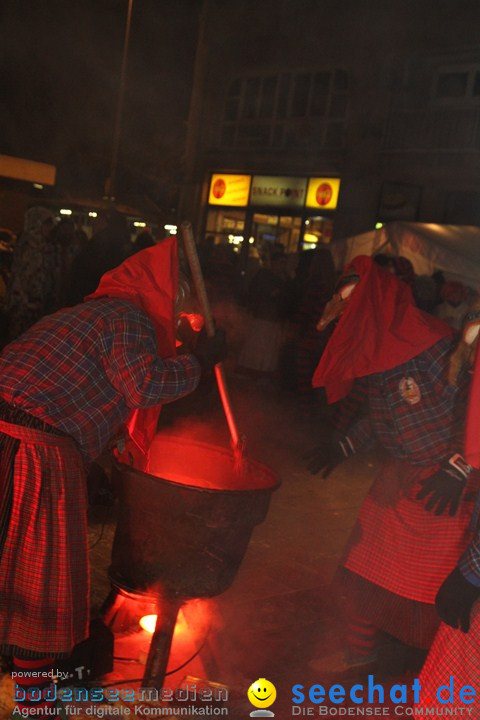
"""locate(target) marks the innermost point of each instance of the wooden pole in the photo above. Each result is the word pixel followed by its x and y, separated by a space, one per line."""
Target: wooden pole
pixel 199 283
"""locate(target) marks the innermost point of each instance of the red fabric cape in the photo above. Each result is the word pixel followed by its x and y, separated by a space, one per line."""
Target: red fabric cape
pixel 149 280
pixel 380 328
pixel 472 427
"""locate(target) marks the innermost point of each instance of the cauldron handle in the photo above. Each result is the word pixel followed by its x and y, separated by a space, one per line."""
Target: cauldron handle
pixel 198 281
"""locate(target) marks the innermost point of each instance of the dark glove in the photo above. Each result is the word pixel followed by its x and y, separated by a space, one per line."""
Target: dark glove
pixel 327 456
pixel 210 350
pixel 445 487
pixel 455 599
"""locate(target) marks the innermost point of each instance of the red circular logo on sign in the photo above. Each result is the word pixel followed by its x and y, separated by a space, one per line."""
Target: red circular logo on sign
pixel 324 194
pixel 219 188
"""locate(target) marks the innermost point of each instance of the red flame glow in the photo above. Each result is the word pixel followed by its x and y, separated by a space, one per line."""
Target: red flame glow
pixel 195 320
pixel 148 623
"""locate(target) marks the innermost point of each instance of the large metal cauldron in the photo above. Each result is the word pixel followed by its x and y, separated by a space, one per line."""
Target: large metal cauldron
pixel 183 527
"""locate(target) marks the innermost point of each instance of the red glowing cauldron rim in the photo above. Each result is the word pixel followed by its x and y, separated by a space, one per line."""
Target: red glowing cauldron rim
pixel 180 537
pixel 216 465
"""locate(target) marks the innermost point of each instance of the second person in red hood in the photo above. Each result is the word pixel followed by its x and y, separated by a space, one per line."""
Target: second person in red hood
pixel 412 526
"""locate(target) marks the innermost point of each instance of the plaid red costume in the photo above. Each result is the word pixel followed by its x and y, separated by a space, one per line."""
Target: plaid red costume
pixel 44 560
pixel 398 553
pixel 68 385
pixel 454 652
pixel 84 369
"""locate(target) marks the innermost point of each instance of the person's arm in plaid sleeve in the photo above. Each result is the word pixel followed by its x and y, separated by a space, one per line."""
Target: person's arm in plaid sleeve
pixel 135 370
pixel 443 490
pixel 436 360
pixel 361 434
pixel 348 409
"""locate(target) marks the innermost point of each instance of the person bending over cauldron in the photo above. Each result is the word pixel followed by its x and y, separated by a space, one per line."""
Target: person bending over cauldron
pixel 66 387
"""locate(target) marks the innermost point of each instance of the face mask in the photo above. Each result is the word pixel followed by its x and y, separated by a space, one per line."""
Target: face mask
pixel 464 354
pixel 470 332
pixel 336 306
pixel 346 290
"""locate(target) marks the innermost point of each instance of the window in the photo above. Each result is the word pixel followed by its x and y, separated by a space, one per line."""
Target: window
pixel 301 91
pixel 338 106
pixel 232 105
pixel 476 85
pixel 269 111
pixel 250 98
pixel 283 95
pixel 321 89
pixel 454 84
pixel 267 99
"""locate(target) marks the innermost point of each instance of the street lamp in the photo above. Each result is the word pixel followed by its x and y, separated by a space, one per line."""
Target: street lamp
pixel 110 185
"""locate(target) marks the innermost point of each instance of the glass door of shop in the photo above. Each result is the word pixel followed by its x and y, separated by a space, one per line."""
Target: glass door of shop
pixel 225 226
pixel 318 230
pixel 270 232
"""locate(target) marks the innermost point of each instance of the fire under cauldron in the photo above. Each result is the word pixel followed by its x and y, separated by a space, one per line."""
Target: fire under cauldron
pixel 183 529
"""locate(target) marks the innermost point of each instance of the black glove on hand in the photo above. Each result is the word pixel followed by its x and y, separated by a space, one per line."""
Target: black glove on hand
pixel 455 599
pixel 445 487
pixel 326 457
pixel 210 350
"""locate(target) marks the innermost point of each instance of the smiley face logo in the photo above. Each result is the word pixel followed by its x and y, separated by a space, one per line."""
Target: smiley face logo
pixel 262 693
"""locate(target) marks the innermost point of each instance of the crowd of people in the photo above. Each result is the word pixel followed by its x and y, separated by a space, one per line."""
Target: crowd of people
pixel 90 346
pixel 53 263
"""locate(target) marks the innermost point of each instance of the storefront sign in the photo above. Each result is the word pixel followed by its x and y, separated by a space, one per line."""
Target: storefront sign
pixel 229 190
pixel 278 191
pixel 27 170
pixel 323 193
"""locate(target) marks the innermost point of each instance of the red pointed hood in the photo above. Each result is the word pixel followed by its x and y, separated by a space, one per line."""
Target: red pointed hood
pixel 380 328
pixel 149 280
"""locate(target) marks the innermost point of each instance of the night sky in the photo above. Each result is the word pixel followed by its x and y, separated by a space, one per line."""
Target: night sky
pixel 59 76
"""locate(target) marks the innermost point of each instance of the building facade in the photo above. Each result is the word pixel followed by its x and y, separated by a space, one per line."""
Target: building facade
pixel 311 120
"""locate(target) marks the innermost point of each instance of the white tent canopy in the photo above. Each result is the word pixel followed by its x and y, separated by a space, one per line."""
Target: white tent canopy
pixel 454 249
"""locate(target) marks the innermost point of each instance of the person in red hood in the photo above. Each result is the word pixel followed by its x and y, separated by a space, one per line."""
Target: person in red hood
pixel 412 526
pixel 67 386
pixel 456 649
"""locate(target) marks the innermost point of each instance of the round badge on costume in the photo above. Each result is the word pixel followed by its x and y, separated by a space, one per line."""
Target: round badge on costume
pixel 409 390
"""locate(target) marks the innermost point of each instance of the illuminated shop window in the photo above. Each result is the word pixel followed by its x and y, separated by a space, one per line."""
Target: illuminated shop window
pixel 224 225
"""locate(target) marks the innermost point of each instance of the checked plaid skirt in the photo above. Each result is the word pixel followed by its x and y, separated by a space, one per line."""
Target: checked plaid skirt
pixel 44 573
pixel 453 654
pixel 404 551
